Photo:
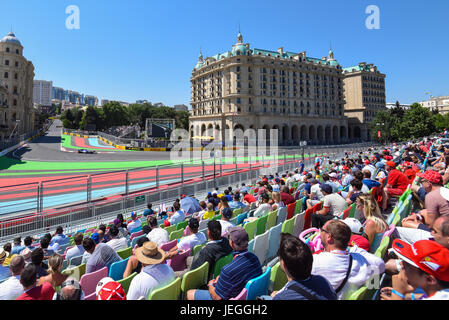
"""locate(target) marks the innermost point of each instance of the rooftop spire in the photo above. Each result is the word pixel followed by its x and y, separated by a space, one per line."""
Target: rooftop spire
pixel 239 37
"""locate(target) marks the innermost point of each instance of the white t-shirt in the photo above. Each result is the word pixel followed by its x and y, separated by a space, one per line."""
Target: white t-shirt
pixel 440 295
pixel 262 210
pixel 134 224
pixel 370 168
pixel 76 251
pixel 191 241
pixel 335 203
pixel 158 235
pixel 11 288
pixel 334 267
pixel 225 225
pixel 118 243
pixel 315 189
pixel 143 283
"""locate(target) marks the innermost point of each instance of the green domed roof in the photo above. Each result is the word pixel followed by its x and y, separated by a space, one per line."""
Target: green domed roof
pixel 239 47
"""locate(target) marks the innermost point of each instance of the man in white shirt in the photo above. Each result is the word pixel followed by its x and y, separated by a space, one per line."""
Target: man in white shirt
pixel 188 242
pixel 157 235
pixel 154 274
pixel 12 288
pixel 136 223
pixel 116 242
pixel 333 205
pixel 315 192
pixel 226 215
pixel 178 216
pixel 335 261
pixel 370 167
pixel 78 249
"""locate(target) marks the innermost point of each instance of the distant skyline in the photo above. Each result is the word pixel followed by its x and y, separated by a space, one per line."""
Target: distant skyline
pixel 146 50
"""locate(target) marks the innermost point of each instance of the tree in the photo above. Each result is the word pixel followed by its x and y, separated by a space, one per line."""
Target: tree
pixel 417 122
pixel 90 119
pixel 115 115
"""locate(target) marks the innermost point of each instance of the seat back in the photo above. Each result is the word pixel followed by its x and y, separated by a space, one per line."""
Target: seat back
pixel 135 234
pixel 241 217
pixel 63 249
pixel 251 246
pixel 274 240
pixel 89 281
pixel 92 296
pixel 67 249
pixel 167 246
pixel 282 215
pixel 345 214
pixel 127 281
pixel 203 224
pixel 359 294
pixel 182 225
pixel 75 261
pixel 291 210
pixel 170 229
pixel 382 249
pixel 134 241
pixel 125 253
pixel 271 220
pixel 353 210
pixel 216 217
pixel 258 286
pixel 117 269
pixel 197 249
pixel 261 225
pixel 250 228
pixel 241 296
pixel 288 225
pixel 278 278
pixel 195 278
pixel 75 272
pixel 317 207
pixel 298 226
pixel 178 262
pixel 307 219
pixel 176 234
pixel 298 207
pixel 236 212
pixel 221 263
pixel 261 247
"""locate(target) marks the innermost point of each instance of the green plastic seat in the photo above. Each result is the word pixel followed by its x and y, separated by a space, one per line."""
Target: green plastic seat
pixel 169 292
pixel 380 252
pixel 298 207
pixel 170 229
pixel 217 217
pixel 261 225
pixel 288 226
pixel 127 281
pixel 353 210
pixel 197 249
pixel 278 278
pixel 271 221
pixel 236 212
pixel 182 225
pixel 75 272
pixel 176 234
pixel 221 263
pixel 250 228
pixel 359 294
pixel 125 253
pixel 194 279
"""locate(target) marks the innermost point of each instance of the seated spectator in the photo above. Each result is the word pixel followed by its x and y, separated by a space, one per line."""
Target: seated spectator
pixel 44 245
pixel 286 197
pixel 226 216
pixel 264 206
pixel 70 291
pixel 215 249
pixel 210 213
pixel 236 203
pixel 315 195
pixel 228 195
pixel 277 202
pixel 346 271
pixel 356 191
pixel 123 231
pixel 59 237
pixel 52 247
pixel 26 253
pixel 234 276
pixel 121 221
pixel 117 243
pixel 37 258
pixel 104 235
pixel 396 185
pixel 375 223
pixel 189 242
pixel 333 206
pixel 177 217
pixel 154 275
pixel 110 290
pixel 8 248
pixel 12 288
pixel 17 247
pixel 296 261
pixel 368 181
pixel 223 203
pixel 4 270
pixel 95 237
pixel 148 211
pixel 78 249
pixel 199 215
pixel 158 235
pixel 28 279
pixel 426 265
pixel 54 277
pixel 247 198
pixel 101 255
pixel 327 180
pixel 356 234
pixel 347 177
pixel 134 224
pixel 134 265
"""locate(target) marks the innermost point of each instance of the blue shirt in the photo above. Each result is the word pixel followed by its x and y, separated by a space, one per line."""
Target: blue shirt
pixel 236 205
pixel 229 197
pixel 177 217
pixel 308 187
pixel 371 183
pixel 148 212
pixel 5 273
pixel 235 275
pixel 315 285
pixel 60 239
pixel 17 249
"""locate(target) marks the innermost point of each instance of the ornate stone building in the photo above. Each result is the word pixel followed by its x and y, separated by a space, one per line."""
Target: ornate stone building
pixel 16 76
pixel 244 88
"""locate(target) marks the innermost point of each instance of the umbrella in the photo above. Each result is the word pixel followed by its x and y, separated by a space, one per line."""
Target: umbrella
pixel 190 205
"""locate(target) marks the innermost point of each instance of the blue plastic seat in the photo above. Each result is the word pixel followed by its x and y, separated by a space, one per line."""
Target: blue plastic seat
pixel 258 286
pixel 117 269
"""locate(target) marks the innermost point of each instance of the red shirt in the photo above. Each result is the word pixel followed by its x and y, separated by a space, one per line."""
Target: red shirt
pixel 398 180
pixel 287 198
pixel 249 198
pixel 43 292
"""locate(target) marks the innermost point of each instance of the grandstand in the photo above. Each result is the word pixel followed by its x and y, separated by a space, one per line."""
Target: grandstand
pixel 265 231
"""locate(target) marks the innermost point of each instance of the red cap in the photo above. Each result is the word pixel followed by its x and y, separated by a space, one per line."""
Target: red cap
pixel 431 176
pixel 367 162
pixel 427 255
pixel 391 164
pixel 346 168
pixel 111 291
pixel 407 164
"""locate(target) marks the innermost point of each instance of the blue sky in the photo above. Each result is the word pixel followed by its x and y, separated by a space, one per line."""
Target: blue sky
pixel 146 49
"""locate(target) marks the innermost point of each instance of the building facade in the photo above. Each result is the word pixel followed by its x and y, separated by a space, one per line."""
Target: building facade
pixel 42 92
pixel 181 107
pixel 245 88
pixel 365 96
pixel 440 103
pixel 90 100
pixel 16 76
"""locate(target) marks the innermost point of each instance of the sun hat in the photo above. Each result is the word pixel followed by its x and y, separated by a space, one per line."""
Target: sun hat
pixel 427 255
pixel 26 254
pixel 150 254
pixel 431 176
pixel 108 289
pixel 354 224
pixel 333 175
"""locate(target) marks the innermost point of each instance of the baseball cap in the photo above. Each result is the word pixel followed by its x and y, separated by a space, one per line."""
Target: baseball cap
pixel 345 168
pixel 239 236
pixel 194 223
pixel 96 237
pixel 108 289
pixel 367 162
pixel 333 175
pixel 326 188
pixel 133 214
pixel 227 213
pixel 406 164
pixel 354 224
pixel 427 255
pixel 431 176
pixel 391 164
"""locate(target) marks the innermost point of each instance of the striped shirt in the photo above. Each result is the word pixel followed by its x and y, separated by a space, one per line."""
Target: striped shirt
pixel 235 275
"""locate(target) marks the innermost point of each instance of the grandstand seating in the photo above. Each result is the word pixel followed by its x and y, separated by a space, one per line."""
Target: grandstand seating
pixel 195 278
pixel 171 291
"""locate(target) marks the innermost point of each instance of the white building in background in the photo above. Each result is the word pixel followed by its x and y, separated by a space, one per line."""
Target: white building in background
pixel 42 92
pixel 441 103
pixel 391 105
pixel 181 107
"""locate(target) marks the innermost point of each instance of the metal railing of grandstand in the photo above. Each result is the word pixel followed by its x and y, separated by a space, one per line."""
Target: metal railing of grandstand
pixel 40 219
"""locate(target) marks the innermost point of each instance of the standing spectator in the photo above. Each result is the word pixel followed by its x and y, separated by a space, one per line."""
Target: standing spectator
pixel 188 242
pixel 55 277
pixel 226 216
pixel 11 288
pixel 101 255
pixel 17 247
pixel 346 271
pixel 134 224
pixel 148 211
pixel 155 274
pixel 375 222
pixel 60 238
pixel 28 279
pixel 333 206
pixel 4 270
pixel 117 243
pixel 296 261
pixel 78 249
pixel 234 276
pixel 215 249
pixel 158 235
pixel 37 258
